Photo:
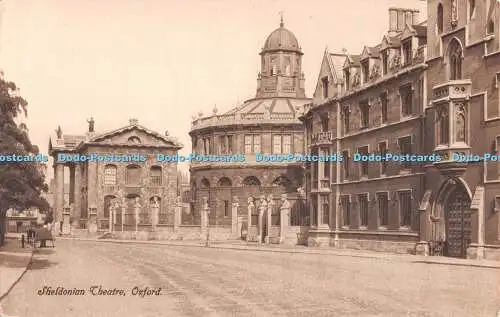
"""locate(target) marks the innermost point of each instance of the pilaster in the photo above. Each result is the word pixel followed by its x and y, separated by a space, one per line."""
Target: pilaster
pixel 234 216
pixel 59 192
pixel 77 204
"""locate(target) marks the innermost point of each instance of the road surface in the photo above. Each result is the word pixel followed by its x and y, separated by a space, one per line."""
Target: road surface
pixel 197 282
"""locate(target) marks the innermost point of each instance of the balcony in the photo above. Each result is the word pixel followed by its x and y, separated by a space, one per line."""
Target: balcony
pixel 454 160
pixel 319 138
pixel 454 89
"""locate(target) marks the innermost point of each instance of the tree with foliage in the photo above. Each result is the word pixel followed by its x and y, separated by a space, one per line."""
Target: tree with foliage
pixel 21 183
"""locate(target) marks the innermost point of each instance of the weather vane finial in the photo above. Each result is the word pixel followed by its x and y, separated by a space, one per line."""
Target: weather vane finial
pixel 281 23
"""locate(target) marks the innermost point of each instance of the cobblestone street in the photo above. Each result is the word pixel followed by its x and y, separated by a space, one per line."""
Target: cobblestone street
pixel 198 281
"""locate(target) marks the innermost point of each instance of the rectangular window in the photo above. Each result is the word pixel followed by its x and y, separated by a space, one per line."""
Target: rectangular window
pixel 406 94
pixel 365 69
pixel 110 175
pixel 405 212
pixel 326 165
pixel 346 210
pixel 252 144
pixel 405 148
pixel 324 123
pixel 287 144
pixel 347 78
pixel 363 170
pixel 226 208
pixel 256 144
pixel 407 53
pixel 383 209
pixel 364 108
pixel 345 164
pixel 324 81
pixel 206 145
pixel 346 120
pixel 383 105
pixel 385 62
pixel 277 144
pixel 363 209
pixel 222 144
pixel 382 149
pixel 229 144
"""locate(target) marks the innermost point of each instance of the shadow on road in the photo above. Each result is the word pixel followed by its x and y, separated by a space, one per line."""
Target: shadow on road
pixel 40 264
pixel 12 261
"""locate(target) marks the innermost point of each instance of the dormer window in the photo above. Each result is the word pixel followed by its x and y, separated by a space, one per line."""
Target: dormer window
pixel 407 52
pixel 365 68
pixel 385 62
pixel 324 81
pixel 347 75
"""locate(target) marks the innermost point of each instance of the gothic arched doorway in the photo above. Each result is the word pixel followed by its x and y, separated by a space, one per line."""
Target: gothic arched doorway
pixel 457 222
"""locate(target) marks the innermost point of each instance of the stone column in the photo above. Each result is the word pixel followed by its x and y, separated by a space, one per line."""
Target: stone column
pixel 477 205
pixel 269 218
pixel 284 217
pixel 262 210
pixel 71 184
pixel 424 210
pixel 77 205
pixel 59 195
pixel 111 216
pixel 234 216
pixel 137 211
pixel 249 215
pixel 177 214
pixel 66 229
pixel 204 215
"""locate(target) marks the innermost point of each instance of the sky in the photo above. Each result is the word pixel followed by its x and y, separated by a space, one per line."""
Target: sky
pixel 162 61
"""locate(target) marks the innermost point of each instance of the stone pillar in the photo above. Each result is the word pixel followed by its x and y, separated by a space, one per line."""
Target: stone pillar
pixel 269 218
pixel 71 184
pixel 319 211
pixel 262 210
pixel 284 217
pixel 66 228
pixel 234 217
pixel 204 215
pixel 477 205
pixel 92 221
pixel 178 214
pixel 249 215
pixel 77 205
pixel 111 216
pixel 137 211
pixel 59 194
pixel 92 184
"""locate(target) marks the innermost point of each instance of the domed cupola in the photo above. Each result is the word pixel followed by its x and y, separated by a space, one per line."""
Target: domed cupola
pixel 281 39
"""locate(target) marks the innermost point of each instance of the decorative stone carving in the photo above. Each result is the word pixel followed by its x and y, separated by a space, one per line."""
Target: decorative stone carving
pixel 395 62
pixel 356 80
pixel 454 13
pixel 91 123
pixel 375 72
pixel 284 202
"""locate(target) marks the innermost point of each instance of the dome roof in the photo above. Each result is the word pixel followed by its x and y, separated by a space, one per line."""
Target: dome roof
pixel 281 39
pixel 287 107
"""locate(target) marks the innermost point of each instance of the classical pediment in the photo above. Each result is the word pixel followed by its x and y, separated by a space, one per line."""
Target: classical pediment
pixel 408 32
pixel 386 43
pixel 136 136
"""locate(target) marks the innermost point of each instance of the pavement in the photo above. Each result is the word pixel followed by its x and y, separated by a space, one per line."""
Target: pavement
pixel 196 281
pixel 14 262
pixel 241 245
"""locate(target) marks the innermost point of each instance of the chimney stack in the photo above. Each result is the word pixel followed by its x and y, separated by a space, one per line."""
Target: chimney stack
pixel 399 17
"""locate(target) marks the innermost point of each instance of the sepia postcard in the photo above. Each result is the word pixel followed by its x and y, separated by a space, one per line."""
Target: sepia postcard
pixel 219 158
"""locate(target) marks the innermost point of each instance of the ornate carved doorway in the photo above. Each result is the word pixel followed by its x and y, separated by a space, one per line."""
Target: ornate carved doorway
pixel 458 223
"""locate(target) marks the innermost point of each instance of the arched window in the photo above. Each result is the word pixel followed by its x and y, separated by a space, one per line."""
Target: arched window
pixel 108 201
pixel 455 60
pixel 134 140
pixel 133 175
pixel 155 175
pixel 460 126
pixel 444 126
pixel 224 182
pixel 440 21
pixel 251 181
pixel 491 27
pixel 110 175
pixel 205 183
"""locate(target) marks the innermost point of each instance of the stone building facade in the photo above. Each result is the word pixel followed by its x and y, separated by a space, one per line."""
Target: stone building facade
pixel 369 103
pixel 97 186
pixel 427 89
pixel 462 200
pixel 267 124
